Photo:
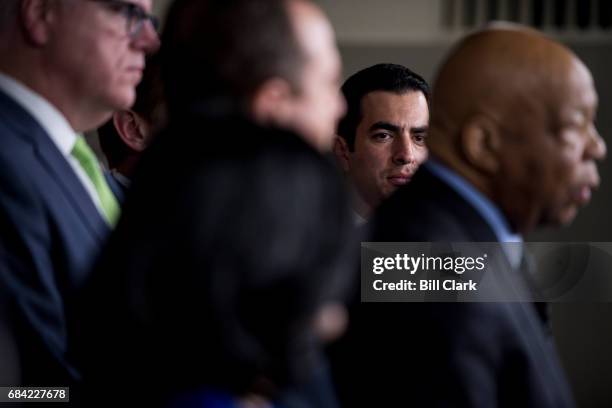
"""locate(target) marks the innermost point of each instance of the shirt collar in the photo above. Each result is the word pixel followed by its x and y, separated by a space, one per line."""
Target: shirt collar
pixel 51 119
pixel 358 219
pixel 485 207
pixel 121 179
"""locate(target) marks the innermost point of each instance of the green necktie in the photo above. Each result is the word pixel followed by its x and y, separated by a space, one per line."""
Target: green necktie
pixel 87 159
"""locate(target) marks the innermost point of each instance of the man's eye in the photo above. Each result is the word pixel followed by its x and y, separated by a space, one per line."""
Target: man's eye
pixel 575 126
pixel 420 138
pixel 381 136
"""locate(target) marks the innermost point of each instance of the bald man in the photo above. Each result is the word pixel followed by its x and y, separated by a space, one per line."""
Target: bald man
pixel 513 147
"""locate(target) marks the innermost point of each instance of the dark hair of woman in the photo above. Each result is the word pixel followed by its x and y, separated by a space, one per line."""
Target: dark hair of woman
pixel 230 241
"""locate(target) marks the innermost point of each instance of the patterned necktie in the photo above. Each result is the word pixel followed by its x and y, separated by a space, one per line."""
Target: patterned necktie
pixel 87 159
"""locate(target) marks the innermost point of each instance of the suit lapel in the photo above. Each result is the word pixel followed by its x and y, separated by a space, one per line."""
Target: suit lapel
pixel 55 164
pixel 63 174
pixel 530 318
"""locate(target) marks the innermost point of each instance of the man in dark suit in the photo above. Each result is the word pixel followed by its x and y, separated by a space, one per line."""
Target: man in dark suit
pixel 64 67
pixel 513 147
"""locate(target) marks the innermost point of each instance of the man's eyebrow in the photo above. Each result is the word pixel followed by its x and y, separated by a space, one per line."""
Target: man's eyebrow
pixel 384 126
pixel 419 129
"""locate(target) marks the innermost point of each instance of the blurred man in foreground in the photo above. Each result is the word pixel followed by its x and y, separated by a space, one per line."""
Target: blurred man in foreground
pixel 253 98
pixel 279 68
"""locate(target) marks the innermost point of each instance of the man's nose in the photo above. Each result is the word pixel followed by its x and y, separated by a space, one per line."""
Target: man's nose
pixel 403 150
pixel 147 39
pixel 596 146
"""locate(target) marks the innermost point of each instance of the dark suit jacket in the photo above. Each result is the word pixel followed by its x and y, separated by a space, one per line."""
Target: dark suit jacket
pixel 118 189
pixel 52 231
pixel 445 354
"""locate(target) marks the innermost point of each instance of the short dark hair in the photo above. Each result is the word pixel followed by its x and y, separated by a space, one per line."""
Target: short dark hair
pixel 381 77
pixel 149 104
pixel 216 53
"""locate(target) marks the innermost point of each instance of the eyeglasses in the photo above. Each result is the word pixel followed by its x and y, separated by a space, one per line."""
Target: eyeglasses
pixel 134 15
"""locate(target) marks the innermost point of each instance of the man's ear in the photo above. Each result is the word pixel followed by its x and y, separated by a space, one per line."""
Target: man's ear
pixel 133 129
pixel 35 16
pixel 481 143
pixel 271 103
pixel 341 151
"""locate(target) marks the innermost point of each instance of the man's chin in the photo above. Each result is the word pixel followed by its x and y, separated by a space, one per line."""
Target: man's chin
pixel 124 100
pixel 388 192
pixel 564 218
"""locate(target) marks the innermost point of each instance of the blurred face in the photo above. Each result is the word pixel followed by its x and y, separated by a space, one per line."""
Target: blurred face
pixel 555 172
pixel 318 104
pixel 93 54
pixel 389 144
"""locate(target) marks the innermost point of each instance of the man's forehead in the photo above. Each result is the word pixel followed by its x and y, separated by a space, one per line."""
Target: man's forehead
pixel 577 88
pixel 379 100
pixel 394 108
